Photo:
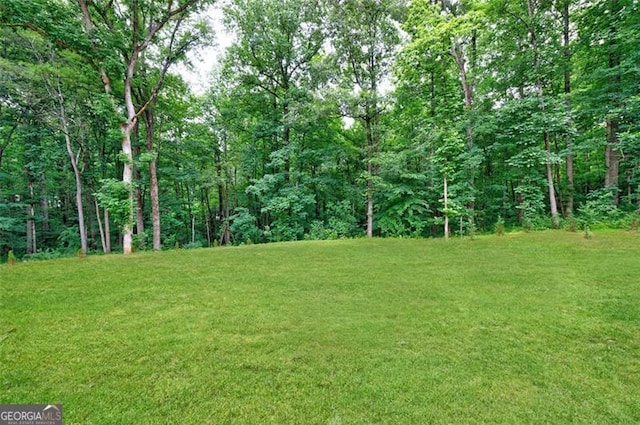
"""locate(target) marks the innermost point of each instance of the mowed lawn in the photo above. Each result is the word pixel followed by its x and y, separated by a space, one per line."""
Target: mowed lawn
pixel 520 329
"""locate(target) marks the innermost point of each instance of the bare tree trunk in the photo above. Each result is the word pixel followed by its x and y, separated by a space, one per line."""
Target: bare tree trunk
pixel 139 205
pixel 127 172
pixel 107 232
pixel 155 204
pixel 369 180
pixel 567 99
pixel 79 202
pixel 369 200
pixel 76 171
pixel 552 193
pixel 553 206
pixel 31 222
pixel 153 180
pixel 447 231
pixel 102 234
pixel 193 228
pixel 612 154
pixel 127 179
pixel 44 204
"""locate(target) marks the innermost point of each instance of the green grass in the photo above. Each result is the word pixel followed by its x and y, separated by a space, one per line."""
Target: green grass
pixel 521 329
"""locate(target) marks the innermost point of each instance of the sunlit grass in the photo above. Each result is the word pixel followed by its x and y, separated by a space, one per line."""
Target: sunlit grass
pixel 529 328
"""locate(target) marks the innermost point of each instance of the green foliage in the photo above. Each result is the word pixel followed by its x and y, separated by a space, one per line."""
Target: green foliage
pixel 341 223
pixel 599 209
pixel 269 143
pixel 68 239
pixel 532 206
pixel 572 223
pixel 289 212
pixel 193 245
pixel 115 196
pixel 140 241
pixel 10 227
pixel 45 255
pixel 244 227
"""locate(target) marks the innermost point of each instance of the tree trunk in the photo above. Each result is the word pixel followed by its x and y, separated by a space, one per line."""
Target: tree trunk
pixel 103 238
pixel 612 153
pixel 553 206
pixel 78 179
pixel 467 87
pixel 139 205
pixel 447 231
pixel 44 204
pixel 153 179
pixel 76 171
pixel 370 149
pixel 552 193
pixel 567 99
pixel 127 179
pixel 612 156
pixel 127 172
pixel 107 232
pixel 31 222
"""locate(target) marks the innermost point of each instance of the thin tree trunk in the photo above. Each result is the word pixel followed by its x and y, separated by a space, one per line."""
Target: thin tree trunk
pixel 139 205
pixel 370 147
pixel 154 193
pixel 553 206
pixel 552 193
pixel 567 100
pixel 446 208
pixel 153 179
pixel 44 204
pixel 193 228
pixel 31 222
pixel 76 171
pixel 127 172
pixel 102 234
pixel 107 232
pixel 612 154
pixel 467 87
pixel 127 179
pixel 79 202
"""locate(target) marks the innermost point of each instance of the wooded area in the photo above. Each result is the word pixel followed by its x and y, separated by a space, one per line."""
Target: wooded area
pixel 325 119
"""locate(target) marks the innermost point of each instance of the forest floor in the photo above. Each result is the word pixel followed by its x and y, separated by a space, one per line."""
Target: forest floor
pixel 519 329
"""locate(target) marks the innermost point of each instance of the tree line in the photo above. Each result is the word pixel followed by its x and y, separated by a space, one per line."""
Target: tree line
pixel 324 119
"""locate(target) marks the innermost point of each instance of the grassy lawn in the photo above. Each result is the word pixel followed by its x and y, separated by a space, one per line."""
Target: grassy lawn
pixel 527 328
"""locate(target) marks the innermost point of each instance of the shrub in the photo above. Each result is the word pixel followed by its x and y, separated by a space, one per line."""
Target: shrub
pixel 572 224
pixel 140 241
pixel 244 226
pixel 193 245
pixel 499 227
pixel 47 254
pixel 599 209
pixel 11 258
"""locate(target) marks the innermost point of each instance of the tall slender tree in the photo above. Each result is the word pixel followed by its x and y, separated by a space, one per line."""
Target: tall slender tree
pixel 366 38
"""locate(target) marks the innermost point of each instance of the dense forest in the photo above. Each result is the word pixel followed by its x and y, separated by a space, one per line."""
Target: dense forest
pixel 322 119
